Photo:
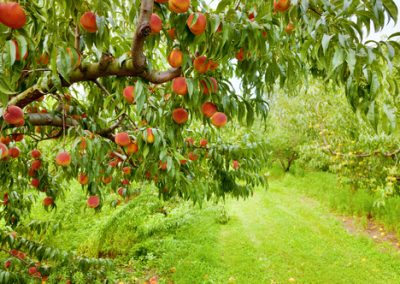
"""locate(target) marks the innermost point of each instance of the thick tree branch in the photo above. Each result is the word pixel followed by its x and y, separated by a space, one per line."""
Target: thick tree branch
pixel 47 119
pixel 142 31
pixel 158 77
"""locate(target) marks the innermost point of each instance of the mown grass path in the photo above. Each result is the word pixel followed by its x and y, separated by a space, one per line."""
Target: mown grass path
pixel 279 236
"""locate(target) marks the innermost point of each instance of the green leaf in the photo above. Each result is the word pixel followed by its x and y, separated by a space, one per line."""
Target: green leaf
pixel 325 41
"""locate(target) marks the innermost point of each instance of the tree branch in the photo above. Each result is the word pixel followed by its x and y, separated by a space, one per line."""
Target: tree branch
pixel 47 119
pixel 143 30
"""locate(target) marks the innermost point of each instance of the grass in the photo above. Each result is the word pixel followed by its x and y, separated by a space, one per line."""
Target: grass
pixel 273 237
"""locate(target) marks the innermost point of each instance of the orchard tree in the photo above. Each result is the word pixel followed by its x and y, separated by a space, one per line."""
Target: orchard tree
pixel 139 91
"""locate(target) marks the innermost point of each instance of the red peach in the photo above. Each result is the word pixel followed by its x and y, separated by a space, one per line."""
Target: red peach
pixel 122 139
pixel 48 200
pixel 83 179
pixel 192 156
pixel 14 152
pixel 200 64
pixel 35 182
pixel 36 154
pixel 88 22
pixel 281 5
pixel 235 165
pixel 179 6
pixel 212 82
pixel 240 55
pixel 63 159
pixel 93 201
pixel 155 23
pixel 208 109
pixel 132 148
pixel 198 27
pixel 3 151
pixel 14 115
pixel 36 164
pixel 219 119
pixel 12 15
pixel 129 94
pixel 175 58
pixel 179 86
pixel 180 115
pixel 203 142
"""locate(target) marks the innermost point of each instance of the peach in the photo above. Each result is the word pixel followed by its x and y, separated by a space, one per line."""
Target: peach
pixel 189 141
pixel 240 55
pixel 175 58
pixel 235 165
pixel 172 33
pixel 125 182
pixel 3 151
pixel 251 17
pixel 7 264
pixel 180 115
pixel 183 162
pixel 179 86
pixel 17 54
pixel 36 154
pixel 289 28
pixel 155 23
pixel 17 137
pixel 206 84
pixel 162 165
pixel 200 64
pixel 208 109
pixel 122 139
pixel 212 65
pixel 48 200
pixel 264 33
pixel 132 148
pixel 36 164
pixel 32 270
pixel 14 152
pixel 179 6
pixel 113 163
pixel 126 170
pixel 83 143
pixel 199 26
pixel 88 22
pixel 203 142
pixel 150 135
pixel 93 201
pixel 129 94
pixel 192 156
pixel 281 5
pixel 106 180
pixel 63 159
pixel 14 115
pixel 12 15
pixel 219 119
pixel 121 191
pixel 35 182
pixel 44 59
pixel 83 179
pixel 5 140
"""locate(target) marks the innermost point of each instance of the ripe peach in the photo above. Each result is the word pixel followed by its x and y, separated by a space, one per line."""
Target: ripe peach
pixel 201 64
pixel 113 163
pixel 155 24
pixel 189 141
pixel 289 28
pixel 132 148
pixel 17 54
pixel 5 140
pixel 14 152
pixel 17 137
pixel 235 165
pixel 106 180
pixel 179 6
pixel 206 84
pixel 32 270
pixel 83 179
pixel 93 201
pixel 172 33
pixel 203 142
pixel 150 136
pixel 179 86
pixel 208 109
pixel 219 119
pixel 180 115
pixel 3 151
pixel 88 22
pixel 129 94
pixel 212 65
pixel 14 115
pixel 7 264
pixel 281 5
pixel 175 58
pixel 44 59
pixel 251 17
pixel 183 162
pixel 240 55
pixel 192 156
pixel 121 191
pixel 162 165
pixel 48 200
pixel 36 164
pixel 126 170
pixel 12 15
pixel 199 26
pixel 35 182
pixel 122 139
pixel 63 159
pixel 36 154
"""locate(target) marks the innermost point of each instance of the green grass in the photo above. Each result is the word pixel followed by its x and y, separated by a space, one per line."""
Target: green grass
pixel 271 237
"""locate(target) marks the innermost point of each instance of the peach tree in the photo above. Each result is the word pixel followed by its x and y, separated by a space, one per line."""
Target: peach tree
pixel 119 93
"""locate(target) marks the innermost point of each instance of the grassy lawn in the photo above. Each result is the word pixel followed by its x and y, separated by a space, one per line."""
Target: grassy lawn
pixel 277 236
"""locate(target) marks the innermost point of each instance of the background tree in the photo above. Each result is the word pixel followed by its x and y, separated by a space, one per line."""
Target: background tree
pixel 86 74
